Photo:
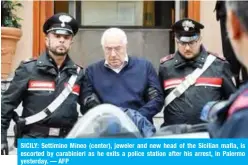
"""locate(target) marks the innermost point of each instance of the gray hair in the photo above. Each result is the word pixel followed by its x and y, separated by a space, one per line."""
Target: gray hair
pixel 241 10
pixel 114 31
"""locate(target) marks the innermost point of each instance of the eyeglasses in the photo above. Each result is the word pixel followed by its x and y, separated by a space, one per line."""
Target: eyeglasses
pixel 116 49
pixel 191 44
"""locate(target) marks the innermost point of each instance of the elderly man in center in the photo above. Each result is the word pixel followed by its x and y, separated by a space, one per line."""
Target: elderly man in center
pixel 122 80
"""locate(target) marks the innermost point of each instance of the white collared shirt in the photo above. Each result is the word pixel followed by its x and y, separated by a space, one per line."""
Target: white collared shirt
pixel 117 70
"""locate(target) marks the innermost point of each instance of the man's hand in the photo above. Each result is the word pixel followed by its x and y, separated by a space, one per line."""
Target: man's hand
pixel 4 149
pixel 4 143
pixel 91 101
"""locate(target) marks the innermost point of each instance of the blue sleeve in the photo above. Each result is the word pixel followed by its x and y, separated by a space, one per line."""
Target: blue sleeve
pixel 236 125
pixel 153 106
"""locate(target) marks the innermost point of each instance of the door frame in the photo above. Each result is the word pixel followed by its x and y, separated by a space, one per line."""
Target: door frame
pixel 194 9
pixel 42 10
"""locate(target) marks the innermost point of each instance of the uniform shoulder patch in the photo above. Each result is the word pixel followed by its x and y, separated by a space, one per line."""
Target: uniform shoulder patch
pixel 239 104
pixel 29 60
pixel 81 67
pixel 217 55
pixel 166 58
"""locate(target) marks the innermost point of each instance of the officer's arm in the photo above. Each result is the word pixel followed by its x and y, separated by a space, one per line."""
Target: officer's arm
pixel 160 76
pixel 228 86
pixel 154 93
pixel 12 97
pixel 89 97
pixel 236 125
pixel 81 80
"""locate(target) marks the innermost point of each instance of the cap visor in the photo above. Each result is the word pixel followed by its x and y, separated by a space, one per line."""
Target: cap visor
pixel 59 30
pixel 63 32
pixel 188 39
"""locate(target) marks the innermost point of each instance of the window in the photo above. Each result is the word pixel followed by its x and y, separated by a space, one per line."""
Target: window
pixel 153 14
pixel 111 13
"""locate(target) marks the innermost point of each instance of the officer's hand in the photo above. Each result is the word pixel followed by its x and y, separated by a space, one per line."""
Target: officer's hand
pixel 4 143
pixel 92 101
pixel 4 149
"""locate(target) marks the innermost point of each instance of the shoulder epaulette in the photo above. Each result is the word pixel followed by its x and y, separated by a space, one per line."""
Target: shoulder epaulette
pixel 217 55
pixel 81 67
pixel 166 58
pixel 29 60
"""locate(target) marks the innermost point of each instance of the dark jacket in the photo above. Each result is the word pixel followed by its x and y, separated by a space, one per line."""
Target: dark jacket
pixel 220 9
pixel 36 84
pixel 228 52
pixel 127 89
pixel 214 84
pixel 232 119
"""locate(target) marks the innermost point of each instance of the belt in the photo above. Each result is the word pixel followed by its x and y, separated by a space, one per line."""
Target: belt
pixel 49 131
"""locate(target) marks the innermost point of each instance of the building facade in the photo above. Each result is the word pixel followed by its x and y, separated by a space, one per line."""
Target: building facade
pixel 147 24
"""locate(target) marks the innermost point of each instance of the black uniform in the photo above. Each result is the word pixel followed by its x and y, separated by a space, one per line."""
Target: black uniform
pixel 231 120
pixel 214 84
pixel 36 84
